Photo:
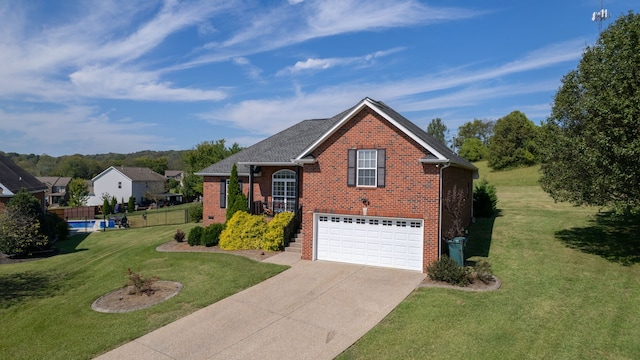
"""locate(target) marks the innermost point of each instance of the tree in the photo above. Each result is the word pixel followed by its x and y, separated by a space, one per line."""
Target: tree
pixel 159 165
pixel 20 221
pixel 473 149
pixel 78 192
pixel 236 201
pixel 205 154
pixel 513 142
pixel 438 130
pixel 77 166
pixel 478 129
pixel 465 140
pixel 591 141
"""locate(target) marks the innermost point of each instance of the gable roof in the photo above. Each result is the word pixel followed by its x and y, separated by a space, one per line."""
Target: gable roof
pixel 134 173
pixel 278 149
pixel 13 178
pixel 301 139
pixel 52 181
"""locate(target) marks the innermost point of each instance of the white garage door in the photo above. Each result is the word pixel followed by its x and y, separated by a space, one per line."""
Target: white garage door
pixel 367 240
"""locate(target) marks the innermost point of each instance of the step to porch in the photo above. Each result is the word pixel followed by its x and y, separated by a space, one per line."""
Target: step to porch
pixel 295 245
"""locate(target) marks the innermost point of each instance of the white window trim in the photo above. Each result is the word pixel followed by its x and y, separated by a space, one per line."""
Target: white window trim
pixel 289 180
pixel 374 168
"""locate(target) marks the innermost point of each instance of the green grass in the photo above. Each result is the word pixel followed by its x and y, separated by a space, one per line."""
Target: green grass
pixel 45 305
pixel 571 288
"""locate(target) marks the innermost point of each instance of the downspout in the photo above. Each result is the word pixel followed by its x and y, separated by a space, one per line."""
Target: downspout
pixel 444 166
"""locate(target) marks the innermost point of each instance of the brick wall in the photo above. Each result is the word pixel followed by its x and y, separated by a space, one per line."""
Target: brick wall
pixel 411 191
pixel 211 210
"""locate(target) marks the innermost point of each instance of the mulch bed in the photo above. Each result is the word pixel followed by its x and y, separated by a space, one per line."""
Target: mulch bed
pixel 174 246
pixel 477 286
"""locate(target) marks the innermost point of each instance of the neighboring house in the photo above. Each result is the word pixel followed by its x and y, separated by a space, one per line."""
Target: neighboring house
pixel 122 182
pixel 368 182
pixel 177 175
pixel 13 178
pixel 57 189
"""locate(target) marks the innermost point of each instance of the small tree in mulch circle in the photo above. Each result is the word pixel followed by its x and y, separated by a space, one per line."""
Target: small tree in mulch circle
pixel 139 285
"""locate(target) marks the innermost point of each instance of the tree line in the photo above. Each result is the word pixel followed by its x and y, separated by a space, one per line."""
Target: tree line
pixel 508 142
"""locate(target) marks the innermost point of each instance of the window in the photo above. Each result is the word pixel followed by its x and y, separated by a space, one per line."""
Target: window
pixel 366 167
pixel 119 184
pixel 224 192
pixel 284 191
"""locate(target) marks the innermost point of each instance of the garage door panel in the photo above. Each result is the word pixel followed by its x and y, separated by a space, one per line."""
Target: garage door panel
pixel 377 241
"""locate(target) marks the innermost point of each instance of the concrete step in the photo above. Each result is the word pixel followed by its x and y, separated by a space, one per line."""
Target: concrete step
pixel 294 247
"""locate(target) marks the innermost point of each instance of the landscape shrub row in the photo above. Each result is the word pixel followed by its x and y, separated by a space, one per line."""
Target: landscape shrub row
pixel 207 236
pixel 245 231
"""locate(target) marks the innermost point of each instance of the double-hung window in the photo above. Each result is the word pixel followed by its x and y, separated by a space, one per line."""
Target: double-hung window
pixel 366 167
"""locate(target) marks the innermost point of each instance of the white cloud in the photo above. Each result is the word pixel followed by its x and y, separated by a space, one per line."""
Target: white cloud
pixel 60 60
pixel 421 93
pixel 323 64
pixel 285 26
pixel 74 129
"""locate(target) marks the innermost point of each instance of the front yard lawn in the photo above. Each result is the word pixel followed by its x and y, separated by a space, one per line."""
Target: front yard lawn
pixel 568 291
pixel 45 305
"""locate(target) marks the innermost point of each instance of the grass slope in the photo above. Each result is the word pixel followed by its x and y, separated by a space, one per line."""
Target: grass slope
pixel 45 305
pixel 570 290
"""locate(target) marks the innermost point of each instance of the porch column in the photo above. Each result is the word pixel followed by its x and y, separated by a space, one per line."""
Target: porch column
pixel 251 170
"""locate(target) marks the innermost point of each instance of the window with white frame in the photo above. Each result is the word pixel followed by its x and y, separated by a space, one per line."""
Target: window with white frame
pixel 284 191
pixel 367 167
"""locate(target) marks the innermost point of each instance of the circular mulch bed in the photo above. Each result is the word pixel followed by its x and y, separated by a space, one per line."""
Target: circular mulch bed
pixel 121 301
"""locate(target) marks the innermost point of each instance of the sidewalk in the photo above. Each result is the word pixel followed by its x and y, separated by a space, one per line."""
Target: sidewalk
pixel 314 310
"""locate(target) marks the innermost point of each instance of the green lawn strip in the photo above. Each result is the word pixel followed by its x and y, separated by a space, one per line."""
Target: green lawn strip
pixel 47 313
pixel 557 301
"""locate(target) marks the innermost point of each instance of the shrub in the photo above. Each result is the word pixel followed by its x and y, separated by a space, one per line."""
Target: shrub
pixel 56 228
pixel 484 199
pixel 274 237
pixel 243 232
pixel 481 271
pixel 131 205
pixel 195 212
pixel 139 285
pixel 446 269
pixel 179 236
pixel 211 234
pixel 195 236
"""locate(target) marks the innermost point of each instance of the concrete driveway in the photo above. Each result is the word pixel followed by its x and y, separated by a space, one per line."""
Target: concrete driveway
pixel 314 310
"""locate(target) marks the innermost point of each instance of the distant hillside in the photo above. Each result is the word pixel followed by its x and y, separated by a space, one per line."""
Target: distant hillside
pixel 88 166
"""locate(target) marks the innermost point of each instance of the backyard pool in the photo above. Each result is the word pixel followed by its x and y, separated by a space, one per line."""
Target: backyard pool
pixel 90 225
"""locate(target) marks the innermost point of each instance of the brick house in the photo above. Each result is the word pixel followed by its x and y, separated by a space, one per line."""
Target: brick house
pixel 13 178
pixel 367 183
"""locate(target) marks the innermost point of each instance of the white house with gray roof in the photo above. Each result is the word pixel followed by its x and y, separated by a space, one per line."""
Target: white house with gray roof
pixel 123 182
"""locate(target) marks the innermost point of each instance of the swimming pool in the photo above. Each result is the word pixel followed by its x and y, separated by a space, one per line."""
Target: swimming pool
pixel 90 225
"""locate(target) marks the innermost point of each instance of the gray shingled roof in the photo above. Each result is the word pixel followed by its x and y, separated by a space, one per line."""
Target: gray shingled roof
pixel 435 144
pixel 280 148
pixel 136 173
pixel 15 178
pixel 290 143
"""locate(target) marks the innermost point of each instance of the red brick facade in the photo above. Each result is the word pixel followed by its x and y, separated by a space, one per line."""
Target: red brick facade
pixel 412 188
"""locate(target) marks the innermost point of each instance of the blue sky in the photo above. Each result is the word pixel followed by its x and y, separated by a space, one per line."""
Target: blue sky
pixel 102 76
